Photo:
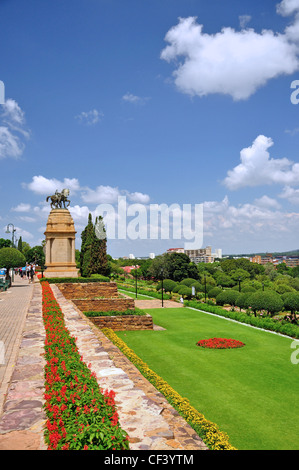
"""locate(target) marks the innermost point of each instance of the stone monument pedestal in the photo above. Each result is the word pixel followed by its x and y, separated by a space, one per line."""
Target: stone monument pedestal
pixel 60 245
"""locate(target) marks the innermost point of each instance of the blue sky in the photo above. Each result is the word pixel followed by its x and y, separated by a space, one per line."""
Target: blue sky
pixel 163 102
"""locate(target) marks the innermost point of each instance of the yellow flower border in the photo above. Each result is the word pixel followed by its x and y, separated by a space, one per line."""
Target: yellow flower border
pixel 208 431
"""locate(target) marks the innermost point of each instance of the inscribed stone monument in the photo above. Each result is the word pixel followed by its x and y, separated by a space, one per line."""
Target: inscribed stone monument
pixel 60 238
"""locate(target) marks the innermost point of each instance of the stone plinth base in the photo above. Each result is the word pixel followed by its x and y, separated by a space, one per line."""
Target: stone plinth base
pixel 60 245
pixel 51 274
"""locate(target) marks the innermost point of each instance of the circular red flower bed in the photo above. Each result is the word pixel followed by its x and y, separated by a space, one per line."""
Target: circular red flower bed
pixel 220 343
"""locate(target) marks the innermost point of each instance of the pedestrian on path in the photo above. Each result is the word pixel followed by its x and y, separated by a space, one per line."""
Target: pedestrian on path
pixel 31 274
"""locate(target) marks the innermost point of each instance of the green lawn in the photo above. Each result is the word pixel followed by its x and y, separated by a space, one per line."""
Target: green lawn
pixel 251 393
pixel 133 295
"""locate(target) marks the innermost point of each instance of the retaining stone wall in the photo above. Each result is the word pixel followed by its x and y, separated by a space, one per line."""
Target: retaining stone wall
pixel 104 305
pixel 124 323
pixel 88 290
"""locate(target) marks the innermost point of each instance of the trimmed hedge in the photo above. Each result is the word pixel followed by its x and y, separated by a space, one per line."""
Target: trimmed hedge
pixel 74 280
pixel 112 313
pixel 279 326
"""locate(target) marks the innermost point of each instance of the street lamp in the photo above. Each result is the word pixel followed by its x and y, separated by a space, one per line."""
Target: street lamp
pixel 136 281
pixel 239 284
pixel 13 233
pixel 12 240
pixel 162 272
pixel 205 288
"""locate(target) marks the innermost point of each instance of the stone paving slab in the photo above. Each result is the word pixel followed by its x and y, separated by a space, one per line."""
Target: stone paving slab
pixel 13 310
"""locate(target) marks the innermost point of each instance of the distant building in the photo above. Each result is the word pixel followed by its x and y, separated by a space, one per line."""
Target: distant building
pixel 290 261
pixel 200 255
pixel 128 269
pixel 151 255
pixel 218 253
pixel 175 250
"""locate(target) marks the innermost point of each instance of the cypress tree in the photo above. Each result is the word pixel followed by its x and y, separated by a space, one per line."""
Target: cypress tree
pixel 87 238
pixel 20 245
pixel 93 257
pixel 99 259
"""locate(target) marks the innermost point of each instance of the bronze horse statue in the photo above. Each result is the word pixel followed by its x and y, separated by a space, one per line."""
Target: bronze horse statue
pixel 59 199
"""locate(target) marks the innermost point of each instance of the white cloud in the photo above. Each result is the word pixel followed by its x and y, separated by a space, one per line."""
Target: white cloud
pixel 257 168
pixel 139 197
pixel 287 7
pixel 20 232
pixel 244 20
pixel 11 143
pixel 13 112
pixel 25 218
pixel 230 62
pixel 22 207
pixel 101 195
pixel 130 98
pixel 42 185
pixel 248 222
pixel 109 195
pixel 80 213
pixel 267 202
pixel 291 194
pixel 89 118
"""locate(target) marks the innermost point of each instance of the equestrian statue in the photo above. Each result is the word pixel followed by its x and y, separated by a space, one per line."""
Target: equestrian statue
pixel 59 199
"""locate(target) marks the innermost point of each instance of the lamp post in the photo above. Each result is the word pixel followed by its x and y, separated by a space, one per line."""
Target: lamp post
pixel 162 272
pixel 136 282
pixel 12 241
pixel 205 288
pixel 13 233
pixel 239 284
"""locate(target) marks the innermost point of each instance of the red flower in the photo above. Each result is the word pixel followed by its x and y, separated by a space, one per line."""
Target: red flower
pixel 220 343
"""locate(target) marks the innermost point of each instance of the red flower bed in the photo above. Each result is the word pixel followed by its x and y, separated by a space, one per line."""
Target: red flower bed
pixel 220 343
pixel 79 414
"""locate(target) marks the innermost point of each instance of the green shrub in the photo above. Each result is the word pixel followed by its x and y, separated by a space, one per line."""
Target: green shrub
pixel 185 291
pixel 67 280
pixel 189 282
pixel 243 300
pixel 228 296
pixel 291 302
pixel 214 292
pixel 168 285
pixel 266 300
pixel 267 323
pixel 112 313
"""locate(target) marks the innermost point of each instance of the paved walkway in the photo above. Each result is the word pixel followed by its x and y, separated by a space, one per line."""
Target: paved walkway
pixel 151 423
pixel 14 304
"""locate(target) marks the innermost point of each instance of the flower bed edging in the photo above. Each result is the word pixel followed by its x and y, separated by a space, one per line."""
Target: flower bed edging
pixel 80 415
pixel 208 431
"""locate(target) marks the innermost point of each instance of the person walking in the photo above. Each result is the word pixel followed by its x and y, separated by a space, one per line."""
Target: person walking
pixel 31 274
